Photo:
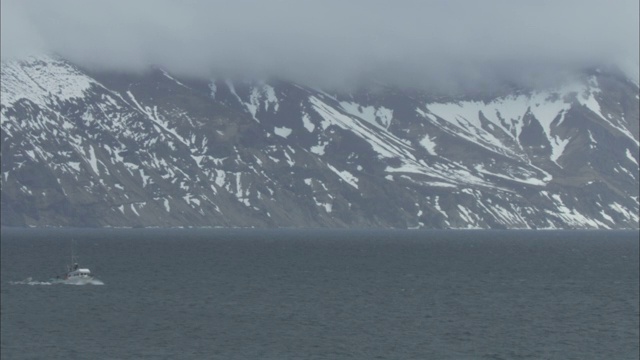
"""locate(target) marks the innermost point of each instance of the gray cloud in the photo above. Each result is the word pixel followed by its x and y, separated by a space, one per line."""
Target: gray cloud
pixel 329 42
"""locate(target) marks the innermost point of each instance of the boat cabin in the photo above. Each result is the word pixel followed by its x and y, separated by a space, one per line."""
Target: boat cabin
pixel 80 273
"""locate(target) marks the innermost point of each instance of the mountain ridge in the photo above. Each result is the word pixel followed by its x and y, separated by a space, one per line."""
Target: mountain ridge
pixel 82 148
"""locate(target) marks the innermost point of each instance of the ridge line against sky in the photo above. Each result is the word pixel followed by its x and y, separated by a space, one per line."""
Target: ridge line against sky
pixel 333 43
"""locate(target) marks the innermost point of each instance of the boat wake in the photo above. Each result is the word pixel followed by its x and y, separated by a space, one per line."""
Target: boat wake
pixel 30 281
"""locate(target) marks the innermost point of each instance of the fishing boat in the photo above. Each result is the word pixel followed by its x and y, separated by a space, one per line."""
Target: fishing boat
pixel 75 274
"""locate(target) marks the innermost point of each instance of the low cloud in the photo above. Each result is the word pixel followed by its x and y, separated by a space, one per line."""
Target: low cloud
pixel 334 43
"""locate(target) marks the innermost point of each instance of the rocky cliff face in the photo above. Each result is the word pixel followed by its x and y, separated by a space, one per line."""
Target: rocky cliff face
pixel 106 149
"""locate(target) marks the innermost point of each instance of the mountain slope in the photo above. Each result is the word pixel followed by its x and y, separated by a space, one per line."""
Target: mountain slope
pixel 102 149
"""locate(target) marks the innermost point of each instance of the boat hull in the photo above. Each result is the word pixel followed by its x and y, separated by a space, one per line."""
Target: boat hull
pixel 79 280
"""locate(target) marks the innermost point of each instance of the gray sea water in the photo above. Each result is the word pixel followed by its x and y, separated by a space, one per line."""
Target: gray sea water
pixel 322 294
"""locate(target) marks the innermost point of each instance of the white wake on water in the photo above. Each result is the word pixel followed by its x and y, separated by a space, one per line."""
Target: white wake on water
pixel 30 281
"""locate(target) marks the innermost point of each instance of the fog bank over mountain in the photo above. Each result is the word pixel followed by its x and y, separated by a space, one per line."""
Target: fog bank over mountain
pixel 444 45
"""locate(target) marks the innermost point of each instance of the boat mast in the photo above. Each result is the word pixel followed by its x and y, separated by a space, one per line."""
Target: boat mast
pixel 73 255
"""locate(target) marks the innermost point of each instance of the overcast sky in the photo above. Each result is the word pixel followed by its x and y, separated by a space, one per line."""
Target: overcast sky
pixel 332 42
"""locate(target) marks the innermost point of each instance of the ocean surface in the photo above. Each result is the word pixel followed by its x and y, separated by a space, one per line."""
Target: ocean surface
pixel 321 294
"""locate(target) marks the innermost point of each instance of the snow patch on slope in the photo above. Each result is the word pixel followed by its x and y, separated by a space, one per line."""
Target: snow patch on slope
pixel 630 157
pixel 282 131
pixel 429 144
pixel 306 121
pixel 378 116
pixel 42 80
pixel 346 176
pixel 385 144
pixel 262 95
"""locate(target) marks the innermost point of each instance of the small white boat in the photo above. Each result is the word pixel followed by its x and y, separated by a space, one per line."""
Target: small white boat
pixel 75 274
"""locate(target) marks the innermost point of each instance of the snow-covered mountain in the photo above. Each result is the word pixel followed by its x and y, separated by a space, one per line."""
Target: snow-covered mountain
pixel 81 148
